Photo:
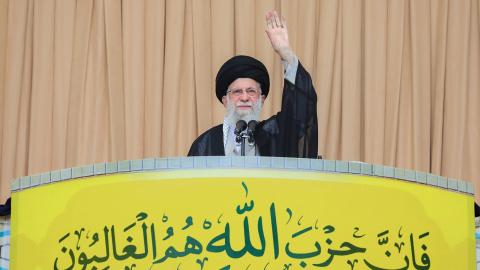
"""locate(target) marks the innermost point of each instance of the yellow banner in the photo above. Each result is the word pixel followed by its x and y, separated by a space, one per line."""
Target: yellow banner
pixel 241 219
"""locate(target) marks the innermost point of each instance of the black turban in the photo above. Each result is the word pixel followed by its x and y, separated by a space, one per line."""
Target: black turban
pixel 241 66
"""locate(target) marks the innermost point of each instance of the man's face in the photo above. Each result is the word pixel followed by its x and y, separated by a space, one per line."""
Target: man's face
pixel 244 98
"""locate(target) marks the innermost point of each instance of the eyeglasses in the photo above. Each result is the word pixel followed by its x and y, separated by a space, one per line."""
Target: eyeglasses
pixel 251 92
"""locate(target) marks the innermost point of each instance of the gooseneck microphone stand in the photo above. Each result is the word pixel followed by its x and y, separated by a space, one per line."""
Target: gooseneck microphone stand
pixel 244 132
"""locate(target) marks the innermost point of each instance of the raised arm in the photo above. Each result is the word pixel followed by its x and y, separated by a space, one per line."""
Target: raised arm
pixel 278 35
pixel 295 126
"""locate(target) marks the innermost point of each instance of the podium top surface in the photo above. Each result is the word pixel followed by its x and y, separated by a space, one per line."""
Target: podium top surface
pixel 222 162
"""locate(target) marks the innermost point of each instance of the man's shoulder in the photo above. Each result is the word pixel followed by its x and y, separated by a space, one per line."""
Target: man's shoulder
pixel 210 132
pixel 208 143
pixel 270 125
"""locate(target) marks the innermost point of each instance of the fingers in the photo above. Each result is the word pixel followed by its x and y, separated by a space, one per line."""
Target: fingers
pixel 270 20
pixel 269 23
pixel 284 22
pixel 274 20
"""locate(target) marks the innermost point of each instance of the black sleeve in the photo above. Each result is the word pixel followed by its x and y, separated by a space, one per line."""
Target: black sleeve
pixel 297 120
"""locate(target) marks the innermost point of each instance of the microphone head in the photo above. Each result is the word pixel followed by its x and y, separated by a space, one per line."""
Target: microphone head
pixel 240 126
pixel 252 124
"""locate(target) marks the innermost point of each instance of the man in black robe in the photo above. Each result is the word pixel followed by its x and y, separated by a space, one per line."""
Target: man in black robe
pixel 242 84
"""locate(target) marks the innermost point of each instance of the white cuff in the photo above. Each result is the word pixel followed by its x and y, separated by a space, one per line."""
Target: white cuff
pixel 290 70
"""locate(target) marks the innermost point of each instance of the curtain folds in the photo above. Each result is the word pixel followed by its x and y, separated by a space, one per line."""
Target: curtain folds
pixel 86 81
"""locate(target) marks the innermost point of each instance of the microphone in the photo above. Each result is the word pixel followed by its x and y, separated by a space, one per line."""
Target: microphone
pixel 252 124
pixel 239 128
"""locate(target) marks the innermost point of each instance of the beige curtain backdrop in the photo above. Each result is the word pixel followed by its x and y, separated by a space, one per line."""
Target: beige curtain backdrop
pixel 99 80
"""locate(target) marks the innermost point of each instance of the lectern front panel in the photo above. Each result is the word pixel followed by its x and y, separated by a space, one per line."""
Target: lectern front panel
pixel 258 217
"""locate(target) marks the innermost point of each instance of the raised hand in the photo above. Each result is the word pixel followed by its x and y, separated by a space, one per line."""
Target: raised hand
pixel 278 34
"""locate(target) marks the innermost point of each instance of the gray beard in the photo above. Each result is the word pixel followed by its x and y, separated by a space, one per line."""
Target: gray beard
pixel 233 116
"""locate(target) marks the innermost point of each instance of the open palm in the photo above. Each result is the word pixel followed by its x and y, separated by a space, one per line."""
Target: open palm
pixel 277 32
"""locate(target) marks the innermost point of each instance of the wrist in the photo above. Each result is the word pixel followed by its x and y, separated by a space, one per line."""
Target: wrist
pixel 286 54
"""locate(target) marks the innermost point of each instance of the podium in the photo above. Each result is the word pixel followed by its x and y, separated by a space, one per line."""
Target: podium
pixel 241 213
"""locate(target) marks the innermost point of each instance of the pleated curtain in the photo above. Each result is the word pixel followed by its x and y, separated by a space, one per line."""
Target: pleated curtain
pixel 90 81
